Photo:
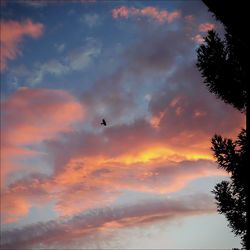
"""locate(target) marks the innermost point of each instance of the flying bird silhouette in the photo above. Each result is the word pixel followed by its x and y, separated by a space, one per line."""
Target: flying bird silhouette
pixel 104 122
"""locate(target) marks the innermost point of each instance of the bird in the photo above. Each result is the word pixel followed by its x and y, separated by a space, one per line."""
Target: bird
pixel 103 122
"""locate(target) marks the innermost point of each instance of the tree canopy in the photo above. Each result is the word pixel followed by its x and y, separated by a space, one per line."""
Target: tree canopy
pixel 224 65
pixel 231 196
pixel 220 63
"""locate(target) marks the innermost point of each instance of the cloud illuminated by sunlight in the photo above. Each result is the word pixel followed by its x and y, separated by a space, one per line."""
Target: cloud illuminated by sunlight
pixel 12 33
pixel 157 15
pixel 44 115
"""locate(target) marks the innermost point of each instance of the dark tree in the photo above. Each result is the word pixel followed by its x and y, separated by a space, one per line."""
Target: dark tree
pixel 235 18
pixel 219 62
pixel 224 65
pixel 231 196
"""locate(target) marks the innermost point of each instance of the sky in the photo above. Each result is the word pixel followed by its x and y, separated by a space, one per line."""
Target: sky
pixel 144 181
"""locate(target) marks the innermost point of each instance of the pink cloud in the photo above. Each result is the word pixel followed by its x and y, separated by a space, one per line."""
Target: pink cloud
pixel 104 180
pixel 12 33
pixel 32 116
pixel 204 27
pixel 160 16
pixel 13 207
pixel 156 119
pixel 120 12
pixel 19 198
pixel 98 166
pixel 198 38
pixel 85 226
pixel 45 113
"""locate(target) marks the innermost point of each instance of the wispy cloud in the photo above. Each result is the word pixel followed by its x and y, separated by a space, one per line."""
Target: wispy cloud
pixel 60 47
pixel 204 27
pixel 201 28
pixel 198 38
pixel 74 60
pixel 91 20
pixel 80 58
pixel 157 15
pixel 84 227
pixel 12 34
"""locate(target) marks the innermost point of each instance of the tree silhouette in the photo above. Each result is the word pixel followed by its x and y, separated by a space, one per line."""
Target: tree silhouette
pixel 220 64
pixel 235 18
pixel 224 64
pixel 231 196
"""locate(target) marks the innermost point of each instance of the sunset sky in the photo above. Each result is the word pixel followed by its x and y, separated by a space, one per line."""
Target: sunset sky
pixel 144 181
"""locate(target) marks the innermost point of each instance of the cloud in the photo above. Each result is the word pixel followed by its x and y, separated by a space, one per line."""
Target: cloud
pixel 52 67
pixel 159 150
pixel 44 115
pixel 84 227
pixel 60 47
pixel 186 121
pixel 204 27
pixel 195 113
pixel 101 180
pixel 198 38
pixel 158 54
pixel 189 19
pixel 75 60
pixel 157 15
pixel 13 208
pixel 12 33
pixel 80 58
pixel 138 156
pixel 141 155
pixel 18 198
pixel 91 20
pixel 147 60
pixel 107 99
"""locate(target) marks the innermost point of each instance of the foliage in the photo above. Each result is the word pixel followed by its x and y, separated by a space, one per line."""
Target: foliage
pixel 220 63
pixel 231 196
pixel 224 65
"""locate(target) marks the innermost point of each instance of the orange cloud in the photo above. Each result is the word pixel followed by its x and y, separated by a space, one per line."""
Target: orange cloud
pixel 156 120
pixel 177 104
pixel 13 207
pixel 30 117
pixel 17 200
pixel 92 169
pixel 12 33
pixel 137 157
pixel 204 27
pixel 159 16
pixel 85 183
pixel 86 176
pixel 45 113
